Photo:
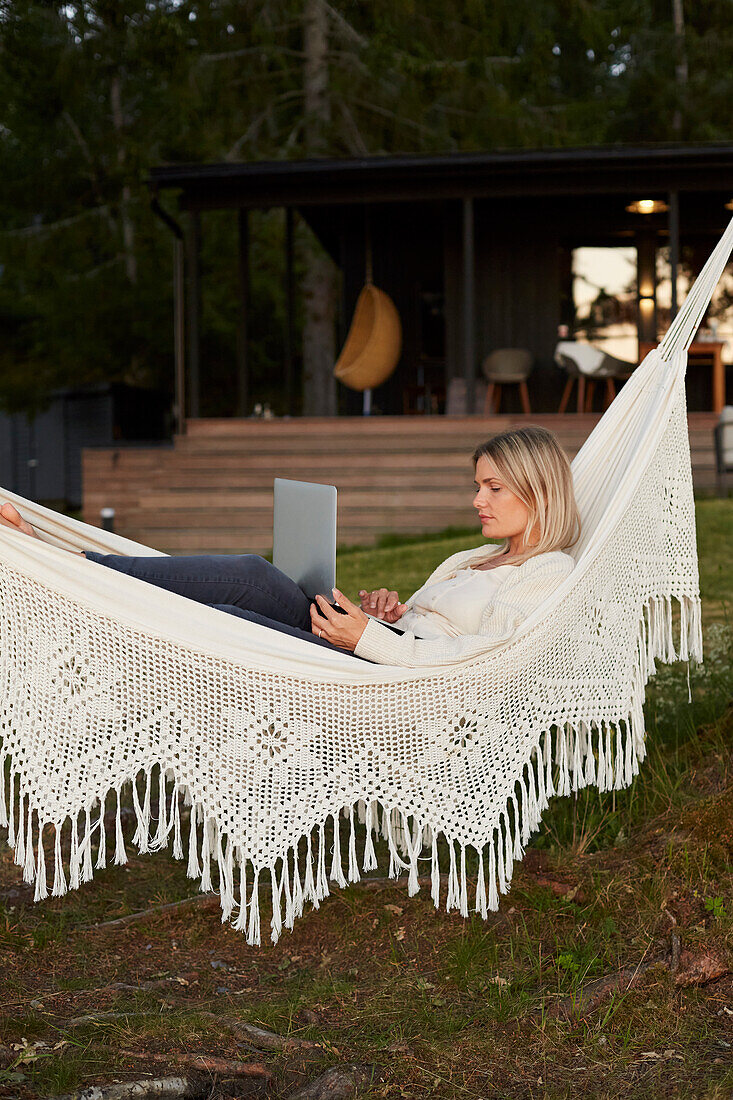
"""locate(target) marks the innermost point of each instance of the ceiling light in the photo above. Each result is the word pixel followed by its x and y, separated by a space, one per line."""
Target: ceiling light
pixel 647 206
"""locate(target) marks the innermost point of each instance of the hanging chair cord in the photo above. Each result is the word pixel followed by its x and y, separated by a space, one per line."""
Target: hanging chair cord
pixel 368 273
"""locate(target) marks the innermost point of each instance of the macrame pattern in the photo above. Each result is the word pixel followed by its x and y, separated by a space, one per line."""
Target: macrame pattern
pixel 108 684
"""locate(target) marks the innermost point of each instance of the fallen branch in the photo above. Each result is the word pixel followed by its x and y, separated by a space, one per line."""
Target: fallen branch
pixel 155 984
pixel 104 1017
pixel 688 969
pixel 258 1037
pixel 204 900
pixel 338 1083
pixel 211 900
pixel 204 1063
pixel 699 969
pixel 590 995
pixel 561 889
pixel 161 1088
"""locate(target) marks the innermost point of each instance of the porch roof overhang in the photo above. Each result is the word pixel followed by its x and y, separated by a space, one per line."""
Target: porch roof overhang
pixel 611 170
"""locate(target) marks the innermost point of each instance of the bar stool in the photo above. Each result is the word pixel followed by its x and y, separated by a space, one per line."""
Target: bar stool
pixel 507 367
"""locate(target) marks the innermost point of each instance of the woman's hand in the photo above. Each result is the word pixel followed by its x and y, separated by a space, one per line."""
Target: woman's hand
pixel 382 604
pixel 342 630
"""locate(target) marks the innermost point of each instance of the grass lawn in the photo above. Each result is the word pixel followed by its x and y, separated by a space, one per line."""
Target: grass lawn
pixel 606 972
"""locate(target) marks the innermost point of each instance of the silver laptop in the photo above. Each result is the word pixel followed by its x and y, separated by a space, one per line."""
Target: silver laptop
pixel 304 534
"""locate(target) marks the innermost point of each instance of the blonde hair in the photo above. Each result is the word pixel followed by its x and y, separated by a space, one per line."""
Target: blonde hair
pixel 534 467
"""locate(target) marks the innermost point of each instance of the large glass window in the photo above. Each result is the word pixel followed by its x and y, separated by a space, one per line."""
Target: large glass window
pixel 604 298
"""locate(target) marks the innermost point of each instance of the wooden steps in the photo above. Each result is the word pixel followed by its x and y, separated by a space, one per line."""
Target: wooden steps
pixel 211 491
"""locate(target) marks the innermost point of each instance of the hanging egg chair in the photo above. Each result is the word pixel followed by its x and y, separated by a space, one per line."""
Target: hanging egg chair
pixel 373 344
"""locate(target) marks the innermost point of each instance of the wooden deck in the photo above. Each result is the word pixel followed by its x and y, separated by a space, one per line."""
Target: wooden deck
pixel 211 492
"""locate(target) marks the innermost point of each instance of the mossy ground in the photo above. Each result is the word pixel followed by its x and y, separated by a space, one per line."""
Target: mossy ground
pixel 441 1006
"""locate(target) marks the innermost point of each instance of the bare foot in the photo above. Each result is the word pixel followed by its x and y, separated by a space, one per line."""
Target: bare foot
pixel 11 517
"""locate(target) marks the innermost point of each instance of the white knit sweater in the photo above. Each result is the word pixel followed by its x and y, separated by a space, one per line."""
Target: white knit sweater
pixel 526 586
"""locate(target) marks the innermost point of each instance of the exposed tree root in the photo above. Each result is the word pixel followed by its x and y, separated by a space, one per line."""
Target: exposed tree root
pixel 204 1063
pixel 688 969
pixel 592 993
pixel 204 901
pixel 338 1083
pixel 258 1037
pixel 162 1088
pixel 105 1017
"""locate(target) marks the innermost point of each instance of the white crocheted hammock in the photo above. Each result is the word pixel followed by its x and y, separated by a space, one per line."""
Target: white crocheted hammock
pixel 107 681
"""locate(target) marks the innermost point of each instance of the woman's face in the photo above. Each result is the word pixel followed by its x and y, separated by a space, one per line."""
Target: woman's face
pixel 502 513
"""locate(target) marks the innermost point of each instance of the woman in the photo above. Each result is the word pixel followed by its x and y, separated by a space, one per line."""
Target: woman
pixel 524 496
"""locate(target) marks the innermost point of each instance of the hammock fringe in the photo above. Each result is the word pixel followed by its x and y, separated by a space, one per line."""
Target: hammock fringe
pixel 561 760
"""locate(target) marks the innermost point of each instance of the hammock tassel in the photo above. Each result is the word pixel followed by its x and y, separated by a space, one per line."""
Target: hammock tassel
pixel 394 861
pixel 618 771
pixel 161 833
pixel 642 650
pixel 309 886
pixel 609 762
pixel 102 845
pixel 694 639
pixel 29 864
pixel 241 922
pixel 140 836
pixel 322 879
pixel 74 853
pixel 3 802
pixel 59 879
pixel 253 930
pixel 354 875
pixel 11 813
pixel 385 823
pixel 493 898
pixel 508 847
pixel 562 758
pixel 435 872
pixel 684 628
pixel 518 851
pixel 464 885
pixel 652 634
pixel 542 802
pixel 601 759
pixel 87 872
pixel 337 873
pixel 176 811
pixel 276 887
pixel 480 906
pixel 194 867
pixel 549 786
pixel 580 748
pixel 297 884
pixel 413 883
pixel 500 849
pixel 206 883
pixel 120 853
pixel 590 759
pixel 226 886
pixel 534 809
pixel 628 752
pixel 669 650
pixel 289 908
pixel 453 899
pixel 370 856
pixel 19 856
pixel 41 891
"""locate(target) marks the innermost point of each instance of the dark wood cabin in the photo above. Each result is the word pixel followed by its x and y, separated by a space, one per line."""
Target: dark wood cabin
pixel 474 249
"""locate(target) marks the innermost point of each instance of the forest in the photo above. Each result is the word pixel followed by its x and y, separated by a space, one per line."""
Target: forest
pixel 98 92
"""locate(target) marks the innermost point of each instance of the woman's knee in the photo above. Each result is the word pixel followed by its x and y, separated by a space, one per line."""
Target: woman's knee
pixel 253 566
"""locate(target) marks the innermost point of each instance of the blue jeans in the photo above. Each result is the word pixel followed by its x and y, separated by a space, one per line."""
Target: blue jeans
pixel 245 585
